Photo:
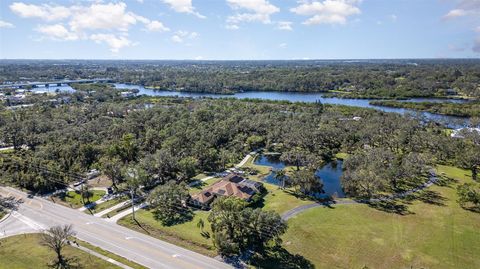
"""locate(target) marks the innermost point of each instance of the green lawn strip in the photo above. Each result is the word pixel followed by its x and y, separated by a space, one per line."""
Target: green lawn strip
pixel 118 210
pixel 203 185
pixel 439 235
pixel 342 155
pixel 105 205
pixel 111 255
pixel 74 199
pixel 25 251
pixel 200 176
pixel 281 201
pixel 186 235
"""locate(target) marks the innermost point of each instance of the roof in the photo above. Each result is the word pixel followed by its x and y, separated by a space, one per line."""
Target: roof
pixel 231 185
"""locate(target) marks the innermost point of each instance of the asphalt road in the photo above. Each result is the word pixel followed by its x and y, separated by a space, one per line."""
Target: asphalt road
pixel 37 214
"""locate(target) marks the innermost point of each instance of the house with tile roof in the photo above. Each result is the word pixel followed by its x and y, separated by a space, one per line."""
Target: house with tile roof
pixel 230 185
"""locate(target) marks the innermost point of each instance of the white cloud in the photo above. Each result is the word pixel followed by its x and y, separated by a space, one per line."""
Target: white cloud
pixel 44 12
pixel 198 58
pixel 156 26
pixel 101 22
pixel 455 13
pixel 114 42
pixel 282 45
pixel 181 36
pixel 183 6
pixel 393 17
pixel 469 9
pixel 5 24
pixel 284 25
pixel 232 27
pixel 57 32
pixel 327 11
pixel 250 11
pixel 102 16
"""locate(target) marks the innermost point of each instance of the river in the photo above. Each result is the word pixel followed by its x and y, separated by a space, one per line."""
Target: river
pixel 450 121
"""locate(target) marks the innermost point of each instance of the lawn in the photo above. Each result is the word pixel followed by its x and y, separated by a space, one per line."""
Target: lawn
pixel 203 185
pixel 281 201
pixel 110 255
pixel 74 199
pixel 25 251
pixel 186 235
pixel 107 204
pixel 437 233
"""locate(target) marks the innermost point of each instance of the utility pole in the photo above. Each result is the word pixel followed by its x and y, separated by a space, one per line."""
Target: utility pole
pixel 133 174
pixel 133 204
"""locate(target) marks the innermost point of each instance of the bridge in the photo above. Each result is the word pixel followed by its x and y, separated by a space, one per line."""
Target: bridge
pixel 55 83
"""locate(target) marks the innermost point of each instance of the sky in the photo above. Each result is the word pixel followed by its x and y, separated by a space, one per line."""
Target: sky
pixel 239 29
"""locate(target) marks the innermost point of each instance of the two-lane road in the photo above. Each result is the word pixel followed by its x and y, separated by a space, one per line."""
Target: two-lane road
pixel 135 246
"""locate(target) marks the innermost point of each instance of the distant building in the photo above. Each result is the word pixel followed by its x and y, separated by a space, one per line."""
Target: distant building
pixel 460 133
pixel 230 185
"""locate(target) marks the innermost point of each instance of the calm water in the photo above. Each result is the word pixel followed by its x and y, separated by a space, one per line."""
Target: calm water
pixel 451 121
pixel 329 174
pixel 63 88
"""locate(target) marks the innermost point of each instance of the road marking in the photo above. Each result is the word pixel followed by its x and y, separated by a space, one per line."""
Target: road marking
pixel 129 237
pixel 176 255
pixel 89 223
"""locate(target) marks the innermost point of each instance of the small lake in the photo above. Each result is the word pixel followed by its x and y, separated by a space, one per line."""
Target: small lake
pixel 330 174
pixel 451 121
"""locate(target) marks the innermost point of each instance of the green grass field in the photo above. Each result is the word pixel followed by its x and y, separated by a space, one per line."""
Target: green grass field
pixel 436 234
pixel 105 205
pixel 110 255
pixel 186 235
pixel 74 199
pixel 25 251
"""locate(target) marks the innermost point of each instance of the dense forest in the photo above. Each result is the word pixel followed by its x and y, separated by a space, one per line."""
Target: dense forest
pixel 470 109
pixel 176 138
pixel 351 79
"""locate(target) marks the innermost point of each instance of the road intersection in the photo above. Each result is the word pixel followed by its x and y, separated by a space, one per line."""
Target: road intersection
pixel 36 214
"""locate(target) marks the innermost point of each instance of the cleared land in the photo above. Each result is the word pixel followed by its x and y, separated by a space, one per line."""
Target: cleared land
pixel 434 232
pixel 25 251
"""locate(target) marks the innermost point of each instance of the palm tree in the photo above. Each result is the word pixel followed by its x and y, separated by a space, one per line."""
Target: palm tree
pixel 201 225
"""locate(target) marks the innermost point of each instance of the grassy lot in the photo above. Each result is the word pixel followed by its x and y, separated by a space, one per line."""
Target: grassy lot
pixel 110 255
pixel 25 251
pixel 186 235
pixel 435 233
pixel 203 185
pixel 281 201
pixel 74 199
pixel 105 205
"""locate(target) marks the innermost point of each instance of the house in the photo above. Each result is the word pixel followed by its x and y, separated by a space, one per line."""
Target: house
pixel 230 185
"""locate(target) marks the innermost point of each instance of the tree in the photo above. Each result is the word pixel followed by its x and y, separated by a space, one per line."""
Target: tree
pixel 85 192
pixel 56 238
pixel 367 173
pixel 168 202
pixel 237 228
pixel 470 159
pixel 255 142
pixel 281 176
pixel 468 194
pixel 307 182
pixel 112 168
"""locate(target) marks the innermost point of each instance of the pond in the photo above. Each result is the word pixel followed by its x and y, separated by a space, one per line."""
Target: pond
pixel 451 121
pixel 330 174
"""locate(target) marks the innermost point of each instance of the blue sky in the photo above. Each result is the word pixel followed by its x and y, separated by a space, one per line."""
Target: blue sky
pixel 239 29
